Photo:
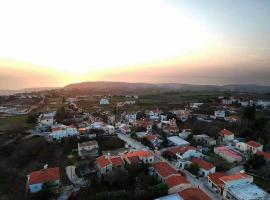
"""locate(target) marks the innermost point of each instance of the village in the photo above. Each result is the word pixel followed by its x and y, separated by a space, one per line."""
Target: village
pixel 121 147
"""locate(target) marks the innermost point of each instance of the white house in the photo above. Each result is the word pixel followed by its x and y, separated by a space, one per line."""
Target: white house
pixel 104 101
pixel 46 119
pixel 177 141
pixel 264 104
pixel 37 179
pixel 205 139
pixel 185 133
pixel 130 117
pixel 226 135
pixel 206 168
pixel 220 114
pixel 60 131
pixel 253 147
pixel 89 148
pixel 124 128
pixel 109 129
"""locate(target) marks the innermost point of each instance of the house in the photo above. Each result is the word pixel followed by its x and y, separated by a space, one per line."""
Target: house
pixel 184 152
pixel 145 123
pixel 171 127
pixel 130 117
pixel 37 179
pixel 106 163
pixel 143 155
pixel 240 186
pixel 177 141
pixel 195 106
pixel 153 139
pixel 163 170
pixel 227 102
pixel 253 147
pixel 214 181
pixel 103 165
pixel 264 104
pixel 170 197
pixel 183 115
pixel 109 129
pixel 194 194
pixel 206 168
pixel 46 119
pixel 176 183
pixel 60 131
pixel 226 135
pixel 124 128
pixel 88 149
pixel 104 101
pixel 220 114
pixel 154 114
pixel 227 154
pixel 185 133
pixel 204 139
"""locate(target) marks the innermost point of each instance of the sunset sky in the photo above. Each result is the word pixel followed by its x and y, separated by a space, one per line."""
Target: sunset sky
pixel 56 42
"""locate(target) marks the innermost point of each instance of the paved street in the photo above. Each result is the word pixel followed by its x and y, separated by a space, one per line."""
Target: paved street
pixel 194 181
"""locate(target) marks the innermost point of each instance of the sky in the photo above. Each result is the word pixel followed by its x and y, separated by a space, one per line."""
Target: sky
pixel 56 42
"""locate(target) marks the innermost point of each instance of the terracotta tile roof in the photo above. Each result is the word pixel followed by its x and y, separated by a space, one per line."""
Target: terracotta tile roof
pixel 164 169
pixel 234 177
pixel 150 137
pixel 103 161
pixel 226 132
pixel 202 163
pixel 44 175
pixel 194 194
pixel 215 178
pixel 180 150
pixel 266 155
pixel 116 160
pixel 134 159
pixel 141 153
pixel 175 180
pixel 253 144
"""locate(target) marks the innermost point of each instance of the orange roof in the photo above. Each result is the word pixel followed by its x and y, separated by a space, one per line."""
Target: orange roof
pixel 141 153
pixel 226 132
pixel 202 163
pixel 164 169
pixel 134 159
pixel 234 177
pixel 215 178
pixel 175 180
pixel 44 175
pixel 194 194
pixel 266 155
pixel 116 160
pixel 253 144
pixel 150 137
pixel 102 161
pixel 180 150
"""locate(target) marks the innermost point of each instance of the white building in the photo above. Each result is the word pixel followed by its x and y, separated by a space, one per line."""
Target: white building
pixel 205 139
pixel 109 129
pixel 264 104
pixel 46 119
pixel 89 148
pixel 130 117
pixel 185 133
pixel 104 101
pixel 60 131
pixel 220 114
pixel 177 141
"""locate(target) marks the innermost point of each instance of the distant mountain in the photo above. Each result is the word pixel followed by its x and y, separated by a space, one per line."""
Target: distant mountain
pixel 122 87
pixel 26 90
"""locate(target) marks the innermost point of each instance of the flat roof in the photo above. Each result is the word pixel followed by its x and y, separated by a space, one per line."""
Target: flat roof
pixel 177 140
pixel 247 191
pixel 170 197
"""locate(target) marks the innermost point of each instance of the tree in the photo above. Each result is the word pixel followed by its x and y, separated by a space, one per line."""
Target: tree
pixel 32 119
pixel 255 162
pixel 249 114
pixel 193 168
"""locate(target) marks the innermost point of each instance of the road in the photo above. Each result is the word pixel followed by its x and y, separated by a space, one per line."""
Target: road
pixel 194 181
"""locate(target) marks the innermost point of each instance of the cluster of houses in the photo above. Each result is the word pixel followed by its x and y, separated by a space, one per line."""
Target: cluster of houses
pixel 183 153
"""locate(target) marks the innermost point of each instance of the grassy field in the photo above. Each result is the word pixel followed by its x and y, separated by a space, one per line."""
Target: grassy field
pixel 176 97
pixel 14 123
pixel 263 183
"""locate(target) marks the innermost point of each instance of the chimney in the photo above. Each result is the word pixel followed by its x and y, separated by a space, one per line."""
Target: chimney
pixel 45 166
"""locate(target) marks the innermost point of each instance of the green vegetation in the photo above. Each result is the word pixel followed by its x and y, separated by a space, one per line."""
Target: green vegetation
pixel 220 163
pixel 109 143
pixel 262 182
pixel 15 124
pixel 194 169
